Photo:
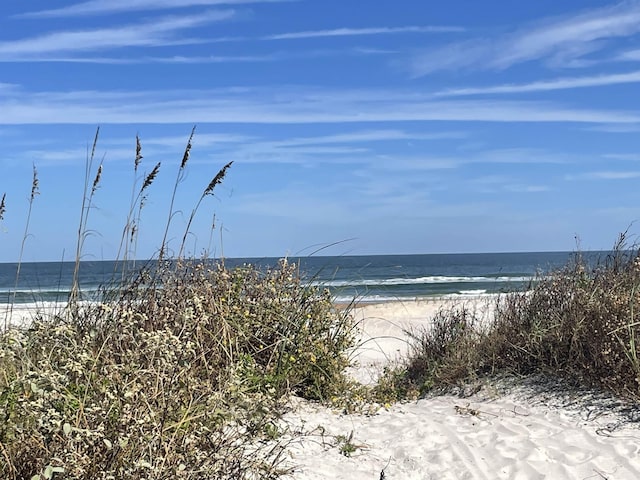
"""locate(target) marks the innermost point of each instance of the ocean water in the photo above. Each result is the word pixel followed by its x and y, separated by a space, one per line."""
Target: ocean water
pixel 367 278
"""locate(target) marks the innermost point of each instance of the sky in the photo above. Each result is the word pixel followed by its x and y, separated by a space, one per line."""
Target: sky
pixel 378 127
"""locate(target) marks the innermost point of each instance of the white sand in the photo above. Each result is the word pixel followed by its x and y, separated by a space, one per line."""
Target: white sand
pixel 490 435
pixel 24 313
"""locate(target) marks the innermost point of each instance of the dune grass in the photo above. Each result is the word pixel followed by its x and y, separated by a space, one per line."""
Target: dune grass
pixel 579 323
pixel 180 370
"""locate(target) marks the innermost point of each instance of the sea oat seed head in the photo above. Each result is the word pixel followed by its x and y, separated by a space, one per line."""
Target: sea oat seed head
pixel 187 150
pixel 149 180
pixel 217 179
pixel 138 153
pixel 34 184
pixel 97 180
pixel 2 206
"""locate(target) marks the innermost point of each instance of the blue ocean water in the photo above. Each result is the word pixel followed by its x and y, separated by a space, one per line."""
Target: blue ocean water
pixel 367 278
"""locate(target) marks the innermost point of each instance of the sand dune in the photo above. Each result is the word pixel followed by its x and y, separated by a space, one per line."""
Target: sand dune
pixel 520 433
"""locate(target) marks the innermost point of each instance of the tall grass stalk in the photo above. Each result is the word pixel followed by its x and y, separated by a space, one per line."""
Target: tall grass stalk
pixel 3 209
pixel 179 179
pixel 89 191
pixel 207 191
pixel 131 228
pixel 35 190
pixel 126 232
pixel 142 200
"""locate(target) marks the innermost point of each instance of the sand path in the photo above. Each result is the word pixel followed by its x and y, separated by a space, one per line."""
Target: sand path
pixel 490 435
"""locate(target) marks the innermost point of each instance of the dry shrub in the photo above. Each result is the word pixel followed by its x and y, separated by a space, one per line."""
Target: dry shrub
pixel 579 323
pixel 178 374
pixel 440 356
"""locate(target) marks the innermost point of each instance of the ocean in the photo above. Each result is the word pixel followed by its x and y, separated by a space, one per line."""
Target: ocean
pixel 368 278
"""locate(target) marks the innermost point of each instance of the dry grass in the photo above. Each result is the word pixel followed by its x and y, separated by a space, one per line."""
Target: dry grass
pixel 578 323
pixel 178 375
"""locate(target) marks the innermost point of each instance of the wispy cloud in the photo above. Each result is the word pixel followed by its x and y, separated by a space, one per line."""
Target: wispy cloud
pixel 615 128
pixel 277 56
pixel 522 188
pixel 59 157
pixel 101 7
pixel 520 156
pixel 331 149
pixel 370 136
pixel 343 32
pixel 559 41
pixel 348 32
pixel 496 184
pixel 632 157
pixel 7 86
pixel 375 51
pixel 153 33
pixel 176 59
pixel 547 85
pixel 605 175
pixel 629 55
pixel 281 106
pixel 204 140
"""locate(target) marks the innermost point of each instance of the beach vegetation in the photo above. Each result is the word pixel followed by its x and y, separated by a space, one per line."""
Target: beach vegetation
pixel 579 323
pixel 35 190
pixel 346 445
pixel 180 369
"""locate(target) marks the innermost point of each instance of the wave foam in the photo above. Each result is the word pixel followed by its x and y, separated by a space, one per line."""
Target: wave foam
pixel 418 281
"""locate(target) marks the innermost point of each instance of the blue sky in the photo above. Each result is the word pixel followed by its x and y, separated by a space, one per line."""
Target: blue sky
pixel 390 127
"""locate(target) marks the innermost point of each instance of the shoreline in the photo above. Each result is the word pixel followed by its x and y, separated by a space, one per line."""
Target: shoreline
pixel 22 313
pixel 25 310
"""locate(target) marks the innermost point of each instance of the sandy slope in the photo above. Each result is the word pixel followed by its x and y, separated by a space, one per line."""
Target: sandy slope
pixel 522 434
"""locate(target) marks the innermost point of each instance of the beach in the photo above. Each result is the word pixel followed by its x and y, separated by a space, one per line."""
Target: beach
pixel 529 429
pixel 24 313
pixel 503 431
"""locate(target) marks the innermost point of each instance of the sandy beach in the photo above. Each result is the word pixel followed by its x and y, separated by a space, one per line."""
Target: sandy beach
pixel 499 432
pixel 24 313
pixel 525 430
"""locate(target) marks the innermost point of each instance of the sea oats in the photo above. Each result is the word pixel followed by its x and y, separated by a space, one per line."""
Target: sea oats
pixel 150 178
pixel 3 206
pixel 134 230
pixel 138 154
pixel 95 144
pixel 34 184
pixel 179 178
pixel 217 179
pixel 187 150
pixel 96 181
